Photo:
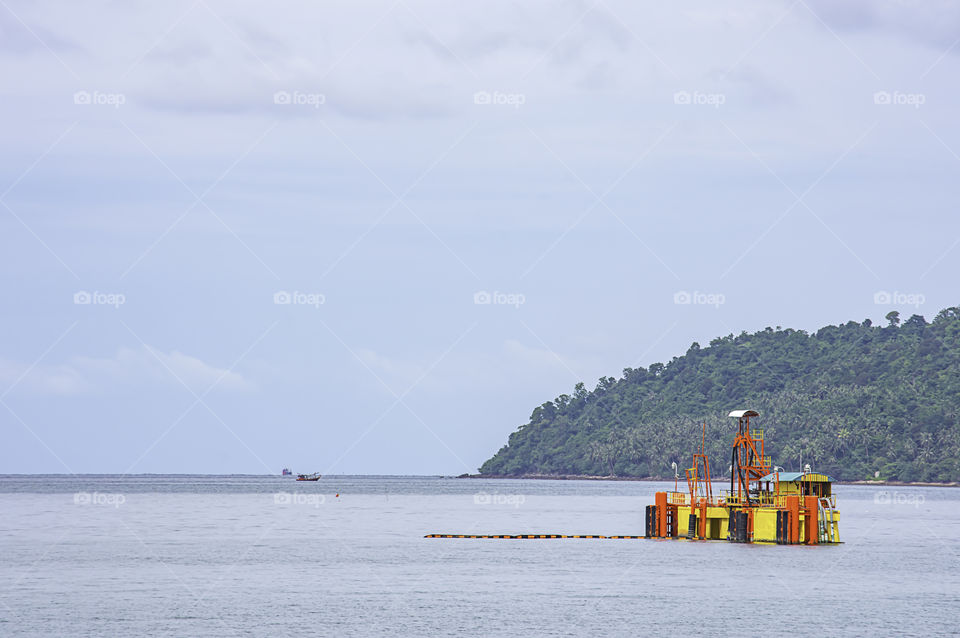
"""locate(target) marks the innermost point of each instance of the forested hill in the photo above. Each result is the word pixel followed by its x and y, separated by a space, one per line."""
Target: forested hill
pixel 853 399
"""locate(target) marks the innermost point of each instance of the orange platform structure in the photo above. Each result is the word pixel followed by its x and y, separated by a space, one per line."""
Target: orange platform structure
pixel 763 505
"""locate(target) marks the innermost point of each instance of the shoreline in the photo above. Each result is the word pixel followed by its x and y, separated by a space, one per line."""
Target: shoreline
pixel 586 477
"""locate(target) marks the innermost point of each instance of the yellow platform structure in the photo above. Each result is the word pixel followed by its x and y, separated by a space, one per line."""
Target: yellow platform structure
pixel 761 506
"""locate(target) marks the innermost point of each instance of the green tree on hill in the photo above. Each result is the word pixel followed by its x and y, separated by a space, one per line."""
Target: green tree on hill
pixel 853 399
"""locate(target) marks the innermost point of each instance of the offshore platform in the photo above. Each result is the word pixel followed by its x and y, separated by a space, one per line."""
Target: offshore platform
pixel 764 503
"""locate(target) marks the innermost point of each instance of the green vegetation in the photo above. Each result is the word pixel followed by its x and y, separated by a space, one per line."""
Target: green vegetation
pixel 852 399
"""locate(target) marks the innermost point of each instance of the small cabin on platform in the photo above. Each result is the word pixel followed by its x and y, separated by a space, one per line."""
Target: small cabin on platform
pixel 801 483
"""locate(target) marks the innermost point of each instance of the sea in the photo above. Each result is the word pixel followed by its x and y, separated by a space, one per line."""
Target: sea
pixel 346 556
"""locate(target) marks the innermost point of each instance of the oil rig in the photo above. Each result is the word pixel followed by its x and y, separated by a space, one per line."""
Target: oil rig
pixel 764 504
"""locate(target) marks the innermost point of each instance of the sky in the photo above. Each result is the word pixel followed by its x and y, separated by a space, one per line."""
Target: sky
pixel 370 238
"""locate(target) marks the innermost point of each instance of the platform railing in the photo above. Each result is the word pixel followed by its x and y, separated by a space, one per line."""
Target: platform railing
pixel 678 498
pixel 768 499
pixel 764 498
pixel 683 498
pixel 763 461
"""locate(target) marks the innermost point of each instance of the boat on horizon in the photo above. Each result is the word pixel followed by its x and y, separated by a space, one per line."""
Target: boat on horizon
pixel 286 472
pixel 309 477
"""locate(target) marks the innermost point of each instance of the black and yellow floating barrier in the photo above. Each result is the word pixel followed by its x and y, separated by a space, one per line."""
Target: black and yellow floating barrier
pixel 519 536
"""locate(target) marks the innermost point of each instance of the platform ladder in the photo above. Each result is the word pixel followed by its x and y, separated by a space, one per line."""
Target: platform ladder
pixel 827 520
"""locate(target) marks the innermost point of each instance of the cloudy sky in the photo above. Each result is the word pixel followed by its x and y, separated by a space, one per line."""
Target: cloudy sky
pixel 372 237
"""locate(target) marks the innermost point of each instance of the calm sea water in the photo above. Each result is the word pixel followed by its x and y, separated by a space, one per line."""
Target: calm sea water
pixel 266 556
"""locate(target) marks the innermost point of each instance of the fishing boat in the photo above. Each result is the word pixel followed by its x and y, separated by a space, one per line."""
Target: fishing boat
pixel 765 504
pixel 309 477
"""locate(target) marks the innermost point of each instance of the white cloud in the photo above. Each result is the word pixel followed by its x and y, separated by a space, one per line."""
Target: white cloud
pixel 129 368
pixel 536 358
pixel 42 379
pixel 397 374
pixel 933 24
pixel 463 368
